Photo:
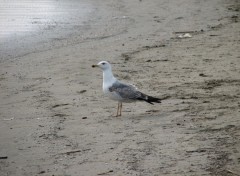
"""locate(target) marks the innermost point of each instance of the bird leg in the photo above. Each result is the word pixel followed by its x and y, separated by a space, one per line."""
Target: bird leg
pixel 120 109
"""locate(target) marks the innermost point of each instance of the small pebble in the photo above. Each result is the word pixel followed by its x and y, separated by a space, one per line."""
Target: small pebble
pixel 42 172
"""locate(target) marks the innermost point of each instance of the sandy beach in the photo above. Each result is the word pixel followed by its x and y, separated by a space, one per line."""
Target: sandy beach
pixel 55 120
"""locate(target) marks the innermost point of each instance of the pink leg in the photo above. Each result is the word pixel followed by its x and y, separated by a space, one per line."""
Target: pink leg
pixel 120 109
pixel 117 109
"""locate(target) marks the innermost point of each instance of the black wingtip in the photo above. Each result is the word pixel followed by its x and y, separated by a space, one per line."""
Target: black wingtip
pixel 150 100
pixel 153 99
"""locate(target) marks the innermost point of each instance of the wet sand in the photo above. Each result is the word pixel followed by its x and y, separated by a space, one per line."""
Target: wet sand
pixel 56 121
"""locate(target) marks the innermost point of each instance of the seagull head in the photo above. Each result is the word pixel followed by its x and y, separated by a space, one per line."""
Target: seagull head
pixel 104 65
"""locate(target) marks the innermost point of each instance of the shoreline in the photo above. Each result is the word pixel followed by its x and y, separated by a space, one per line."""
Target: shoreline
pixel 38 26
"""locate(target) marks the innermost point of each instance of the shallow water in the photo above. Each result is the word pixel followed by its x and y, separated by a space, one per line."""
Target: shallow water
pixel 27 16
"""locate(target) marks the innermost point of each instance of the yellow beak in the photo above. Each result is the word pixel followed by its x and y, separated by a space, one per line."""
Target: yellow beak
pixel 94 66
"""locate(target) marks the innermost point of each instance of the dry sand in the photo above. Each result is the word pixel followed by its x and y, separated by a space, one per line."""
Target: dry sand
pixel 54 119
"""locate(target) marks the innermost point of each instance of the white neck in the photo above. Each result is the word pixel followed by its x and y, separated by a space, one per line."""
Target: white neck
pixel 108 76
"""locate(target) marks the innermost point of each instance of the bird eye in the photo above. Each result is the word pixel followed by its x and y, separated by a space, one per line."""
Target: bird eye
pixel 103 63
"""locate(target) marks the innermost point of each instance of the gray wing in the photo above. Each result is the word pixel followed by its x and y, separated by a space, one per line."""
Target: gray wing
pixel 125 91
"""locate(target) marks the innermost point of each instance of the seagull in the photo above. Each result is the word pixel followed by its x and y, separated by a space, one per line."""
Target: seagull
pixel 121 92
